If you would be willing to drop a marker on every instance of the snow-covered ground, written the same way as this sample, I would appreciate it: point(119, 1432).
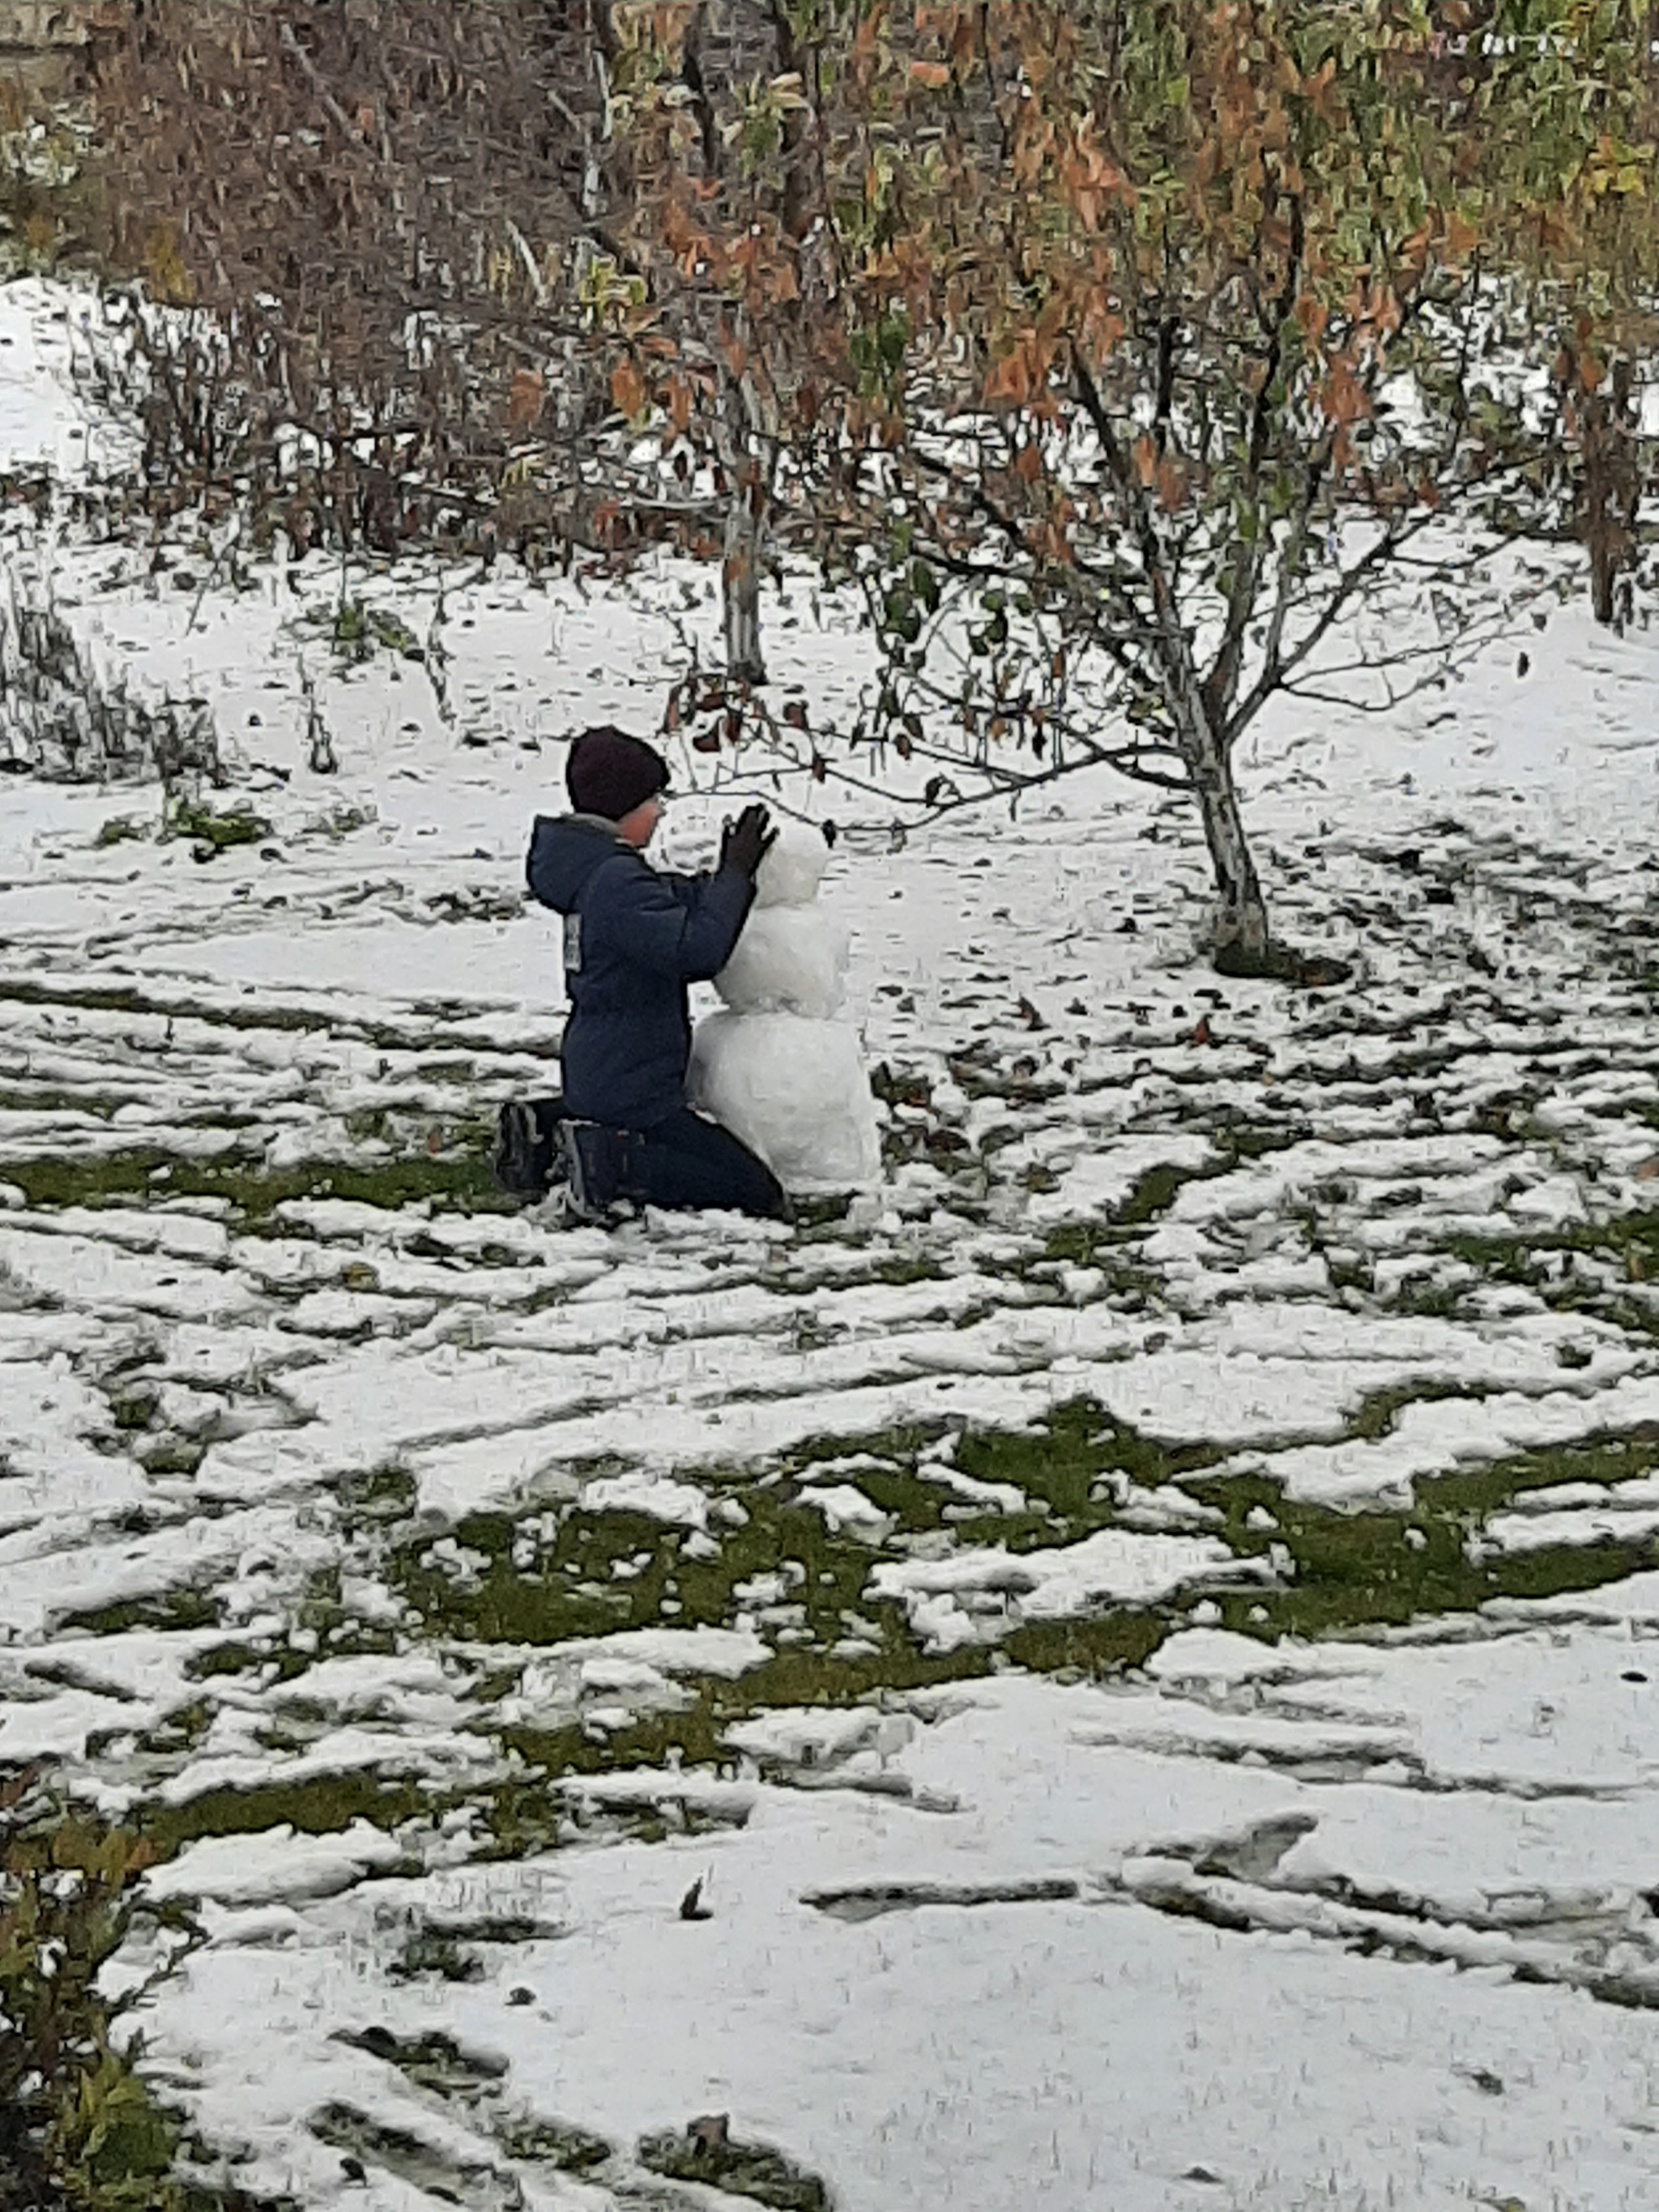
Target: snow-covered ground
point(1144, 1630)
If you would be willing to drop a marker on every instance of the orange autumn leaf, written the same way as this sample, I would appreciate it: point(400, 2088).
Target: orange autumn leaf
point(1342, 396)
point(524, 397)
point(627, 390)
point(1313, 315)
point(1010, 378)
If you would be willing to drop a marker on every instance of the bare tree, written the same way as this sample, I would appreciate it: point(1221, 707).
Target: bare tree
point(372, 225)
point(723, 110)
point(1170, 341)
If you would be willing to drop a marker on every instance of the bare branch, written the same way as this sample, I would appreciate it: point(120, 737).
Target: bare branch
point(309, 69)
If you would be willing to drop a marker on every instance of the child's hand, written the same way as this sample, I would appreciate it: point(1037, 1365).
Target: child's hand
point(748, 840)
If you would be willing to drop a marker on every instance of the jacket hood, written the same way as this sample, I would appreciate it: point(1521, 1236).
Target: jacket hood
point(564, 851)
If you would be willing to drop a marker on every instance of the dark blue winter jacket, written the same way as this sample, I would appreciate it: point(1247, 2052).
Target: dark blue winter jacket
point(634, 938)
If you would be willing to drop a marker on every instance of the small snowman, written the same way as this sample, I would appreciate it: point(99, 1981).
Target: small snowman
point(780, 1064)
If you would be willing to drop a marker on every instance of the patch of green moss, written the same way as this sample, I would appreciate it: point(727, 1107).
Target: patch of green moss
point(899, 1272)
point(318, 1805)
point(1154, 1192)
point(754, 2170)
point(549, 1574)
point(1102, 1244)
point(172, 1456)
point(232, 1657)
point(428, 1035)
point(1375, 1568)
point(1379, 1410)
point(133, 1409)
point(821, 1213)
point(552, 2143)
point(432, 1951)
point(355, 630)
point(212, 831)
point(164, 1610)
point(379, 1494)
point(433, 2060)
point(181, 1730)
point(460, 1181)
point(419, 2164)
point(26, 1097)
point(1522, 1260)
point(1108, 1643)
point(1348, 1569)
point(1062, 1458)
point(899, 1443)
point(1254, 1140)
point(1101, 1241)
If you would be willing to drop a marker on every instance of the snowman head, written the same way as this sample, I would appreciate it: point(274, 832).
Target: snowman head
point(792, 870)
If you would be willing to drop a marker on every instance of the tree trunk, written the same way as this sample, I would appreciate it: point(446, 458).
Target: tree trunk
point(1239, 939)
point(747, 458)
point(1610, 427)
point(1241, 936)
point(740, 579)
point(1599, 521)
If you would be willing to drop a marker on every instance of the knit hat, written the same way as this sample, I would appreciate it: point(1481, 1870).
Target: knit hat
point(611, 773)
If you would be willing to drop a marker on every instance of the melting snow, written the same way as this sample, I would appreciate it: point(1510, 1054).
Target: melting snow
point(285, 1471)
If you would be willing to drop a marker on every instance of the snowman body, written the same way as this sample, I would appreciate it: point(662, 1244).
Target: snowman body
point(780, 1064)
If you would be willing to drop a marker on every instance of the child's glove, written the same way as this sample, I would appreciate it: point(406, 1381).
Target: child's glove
point(748, 841)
